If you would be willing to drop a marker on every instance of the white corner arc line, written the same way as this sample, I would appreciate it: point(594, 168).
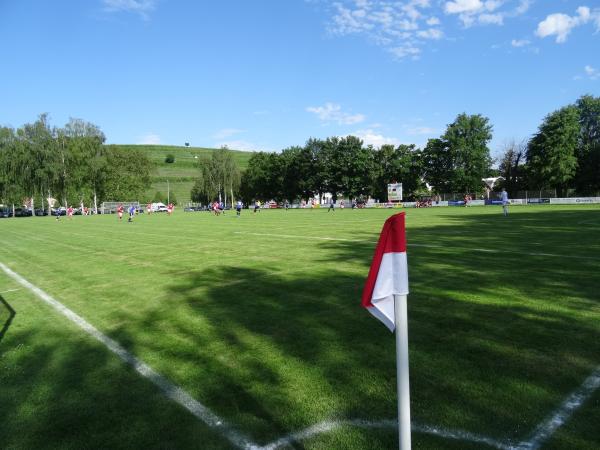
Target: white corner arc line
point(172, 391)
point(547, 428)
point(330, 425)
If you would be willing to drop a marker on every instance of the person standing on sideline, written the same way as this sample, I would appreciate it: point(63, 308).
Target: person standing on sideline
point(331, 205)
point(504, 198)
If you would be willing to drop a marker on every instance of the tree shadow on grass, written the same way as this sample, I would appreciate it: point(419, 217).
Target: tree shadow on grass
point(60, 389)
point(477, 365)
point(9, 312)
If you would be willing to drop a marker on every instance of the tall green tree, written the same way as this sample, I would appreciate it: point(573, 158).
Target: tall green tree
point(467, 138)
point(219, 177)
point(460, 158)
point(400, 164)
point(551, 153)
point(128, 174)
point(587, 178)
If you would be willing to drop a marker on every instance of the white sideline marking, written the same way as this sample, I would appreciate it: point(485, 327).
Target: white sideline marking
point(10, 290)
point(170, 390)
point(541, 433)
point(482, 250)
point(547, 428)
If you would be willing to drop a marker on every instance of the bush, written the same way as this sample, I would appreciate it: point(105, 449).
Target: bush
point(170, 159)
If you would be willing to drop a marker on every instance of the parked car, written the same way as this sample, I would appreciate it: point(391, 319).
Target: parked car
point(5, 213)
point(41, 212)
point(23, 212)
point(62, 211)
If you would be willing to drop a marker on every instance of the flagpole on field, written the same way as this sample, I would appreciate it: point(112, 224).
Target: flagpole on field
point(400, 313)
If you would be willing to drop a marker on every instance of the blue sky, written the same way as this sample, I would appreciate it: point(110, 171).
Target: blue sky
point(268, 74)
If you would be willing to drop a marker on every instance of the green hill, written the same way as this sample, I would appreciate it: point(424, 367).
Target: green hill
point(182, 173)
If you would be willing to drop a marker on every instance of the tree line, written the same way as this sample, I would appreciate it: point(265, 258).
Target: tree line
point(563, 154)
point(70, 164)
point(344, 166)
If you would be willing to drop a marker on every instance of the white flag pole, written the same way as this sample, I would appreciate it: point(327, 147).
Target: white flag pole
point(402, 371)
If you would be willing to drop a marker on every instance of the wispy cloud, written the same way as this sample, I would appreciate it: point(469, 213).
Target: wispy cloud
point(141, 7)
point(591, 72)
point(414, 130)
point(149, 139)
point(520, 42)
point(404, 28)
point(561, 25)
point(488, 12)
point(332, 112)
point(227, 132)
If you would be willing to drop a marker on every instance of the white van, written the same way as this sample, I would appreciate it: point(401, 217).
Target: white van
point(159, 207)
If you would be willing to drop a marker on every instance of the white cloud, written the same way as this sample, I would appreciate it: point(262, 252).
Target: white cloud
point(490, 12)
point(240, 145)
point(392, 25)
point(560, 24)
point(404, 51)
point(370, 137)
point(463, 6)
point(141, 7)
point(592, 73)
point(496, 19)
point(149, 139)
point(432, 21)
point(520, 42)
point(227, 132)
point(332, 112)
point(523, 7)
point(431, 33)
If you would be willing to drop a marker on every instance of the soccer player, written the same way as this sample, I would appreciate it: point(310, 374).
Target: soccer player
point(131, 213)
point(331, 205)
point(149, 208)
point(256, 206)
point(120, 212)
point(70, 212)
point(504, 198)
point(170, 208)
point(238, 208)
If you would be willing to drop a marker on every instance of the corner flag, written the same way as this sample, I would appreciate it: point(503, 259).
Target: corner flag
point(388, 275)
point(384, 296)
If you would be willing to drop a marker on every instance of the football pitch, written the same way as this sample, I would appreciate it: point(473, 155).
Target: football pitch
point(255, 325)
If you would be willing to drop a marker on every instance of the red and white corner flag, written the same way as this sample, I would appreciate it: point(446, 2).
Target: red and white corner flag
point(389, 272)
point(384, 296)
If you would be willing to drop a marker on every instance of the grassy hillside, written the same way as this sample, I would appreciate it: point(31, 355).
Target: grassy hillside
point(181, 173)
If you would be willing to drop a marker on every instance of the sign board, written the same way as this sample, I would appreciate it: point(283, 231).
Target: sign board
point(395, 192)
point(575, 200)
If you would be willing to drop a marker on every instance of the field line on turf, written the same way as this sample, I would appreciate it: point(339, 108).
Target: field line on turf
point(330, 425)
point(369, 241)
point(10, 290)
point(557, 418)
point(172, 391)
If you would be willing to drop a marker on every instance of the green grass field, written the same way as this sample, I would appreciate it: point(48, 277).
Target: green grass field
point(259, 319)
